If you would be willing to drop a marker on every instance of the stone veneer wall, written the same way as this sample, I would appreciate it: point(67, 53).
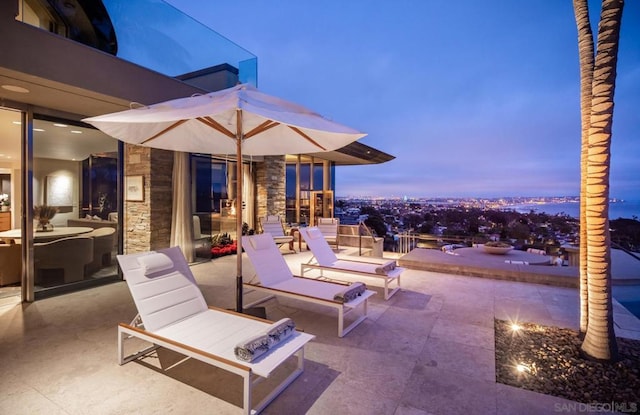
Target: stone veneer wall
point(271, 191)
point(148, 223)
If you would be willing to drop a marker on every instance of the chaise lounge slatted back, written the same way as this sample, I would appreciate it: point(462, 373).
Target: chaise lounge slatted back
point(273, 225)
point(329, 228)
point(169, 296)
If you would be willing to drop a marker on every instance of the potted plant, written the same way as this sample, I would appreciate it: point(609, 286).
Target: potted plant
point(43, 214)
point(4, 202)
point(222, 244)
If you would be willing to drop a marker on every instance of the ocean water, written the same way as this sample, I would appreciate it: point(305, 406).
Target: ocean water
point(623, 209)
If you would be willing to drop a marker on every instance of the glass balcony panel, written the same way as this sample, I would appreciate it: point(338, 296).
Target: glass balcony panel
point(149, 33)
point(154, 34)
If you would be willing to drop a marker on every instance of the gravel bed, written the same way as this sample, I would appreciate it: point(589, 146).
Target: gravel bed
point(555, 366)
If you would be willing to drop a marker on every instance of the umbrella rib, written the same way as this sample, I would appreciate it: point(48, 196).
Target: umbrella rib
point(166, 130)
point(261, 128)
point(311, 140)
point(210, 122)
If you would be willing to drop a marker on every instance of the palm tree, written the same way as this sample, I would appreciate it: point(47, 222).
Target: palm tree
point(586, 52)
point(599, 341)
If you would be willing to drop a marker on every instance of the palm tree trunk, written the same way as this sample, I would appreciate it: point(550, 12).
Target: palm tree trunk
point(585, 50)
point(600, 342)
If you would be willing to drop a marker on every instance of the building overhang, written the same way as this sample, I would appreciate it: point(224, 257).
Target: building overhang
point(63, 75)
point(354, 154)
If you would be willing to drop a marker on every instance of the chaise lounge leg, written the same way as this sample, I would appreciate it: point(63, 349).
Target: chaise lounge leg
point(247, 394)
point(122, 336)
point(343, 331)
point(283, 385)
point(388, 294)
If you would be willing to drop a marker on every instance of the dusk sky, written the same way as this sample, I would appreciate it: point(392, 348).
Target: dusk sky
point(473, 98)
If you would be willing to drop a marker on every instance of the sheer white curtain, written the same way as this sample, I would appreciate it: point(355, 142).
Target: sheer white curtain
point(182, 217)
point(248, 195)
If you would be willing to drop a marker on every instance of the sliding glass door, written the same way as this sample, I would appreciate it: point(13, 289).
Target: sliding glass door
point(75, 195)
point(10, 196)
point(70, 171)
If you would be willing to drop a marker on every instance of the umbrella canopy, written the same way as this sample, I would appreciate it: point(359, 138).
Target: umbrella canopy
point(212, 123)
point(239, 120)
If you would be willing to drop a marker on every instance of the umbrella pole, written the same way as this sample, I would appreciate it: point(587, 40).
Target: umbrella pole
point(254, 311)
point(239, 138)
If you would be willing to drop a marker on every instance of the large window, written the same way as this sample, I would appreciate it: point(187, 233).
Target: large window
point(99, 186)
point(211, 183)
point(305, 176)
point(85, 22)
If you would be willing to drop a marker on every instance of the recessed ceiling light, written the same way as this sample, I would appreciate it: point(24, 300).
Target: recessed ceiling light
point(17, 122)
point(75, 132)
point(60, 125)
point(38, 129)
point(15, 88)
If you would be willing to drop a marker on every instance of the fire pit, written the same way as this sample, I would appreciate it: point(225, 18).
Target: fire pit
point(497, 248)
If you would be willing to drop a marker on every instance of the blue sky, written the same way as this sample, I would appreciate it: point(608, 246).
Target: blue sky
point(473, 98)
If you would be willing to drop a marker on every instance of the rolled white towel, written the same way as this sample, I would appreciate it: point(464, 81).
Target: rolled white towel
point(253, 347)
point(351, 292)
point(281, 330)
point(386, 268)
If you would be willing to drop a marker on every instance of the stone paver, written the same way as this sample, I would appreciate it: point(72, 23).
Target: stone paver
point(428, 350)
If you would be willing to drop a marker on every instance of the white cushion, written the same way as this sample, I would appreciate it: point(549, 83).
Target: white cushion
point(259, 243)
point(315, 233)
point(155, 263)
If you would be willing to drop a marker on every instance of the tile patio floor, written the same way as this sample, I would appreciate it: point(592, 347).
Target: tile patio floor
point(428, 350)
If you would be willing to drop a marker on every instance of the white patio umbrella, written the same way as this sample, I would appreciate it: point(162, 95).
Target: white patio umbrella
point(240, 120)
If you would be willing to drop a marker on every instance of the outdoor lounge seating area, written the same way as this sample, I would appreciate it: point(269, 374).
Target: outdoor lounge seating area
point(434, 339)
point(139, 110)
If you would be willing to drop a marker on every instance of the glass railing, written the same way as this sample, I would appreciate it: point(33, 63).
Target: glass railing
point(156, 35)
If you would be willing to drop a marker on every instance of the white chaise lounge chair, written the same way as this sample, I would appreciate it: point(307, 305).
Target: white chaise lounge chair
point(273, 225)
point(324, 259)
point(173, 314)
point(329, 228)
point(276, 279)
